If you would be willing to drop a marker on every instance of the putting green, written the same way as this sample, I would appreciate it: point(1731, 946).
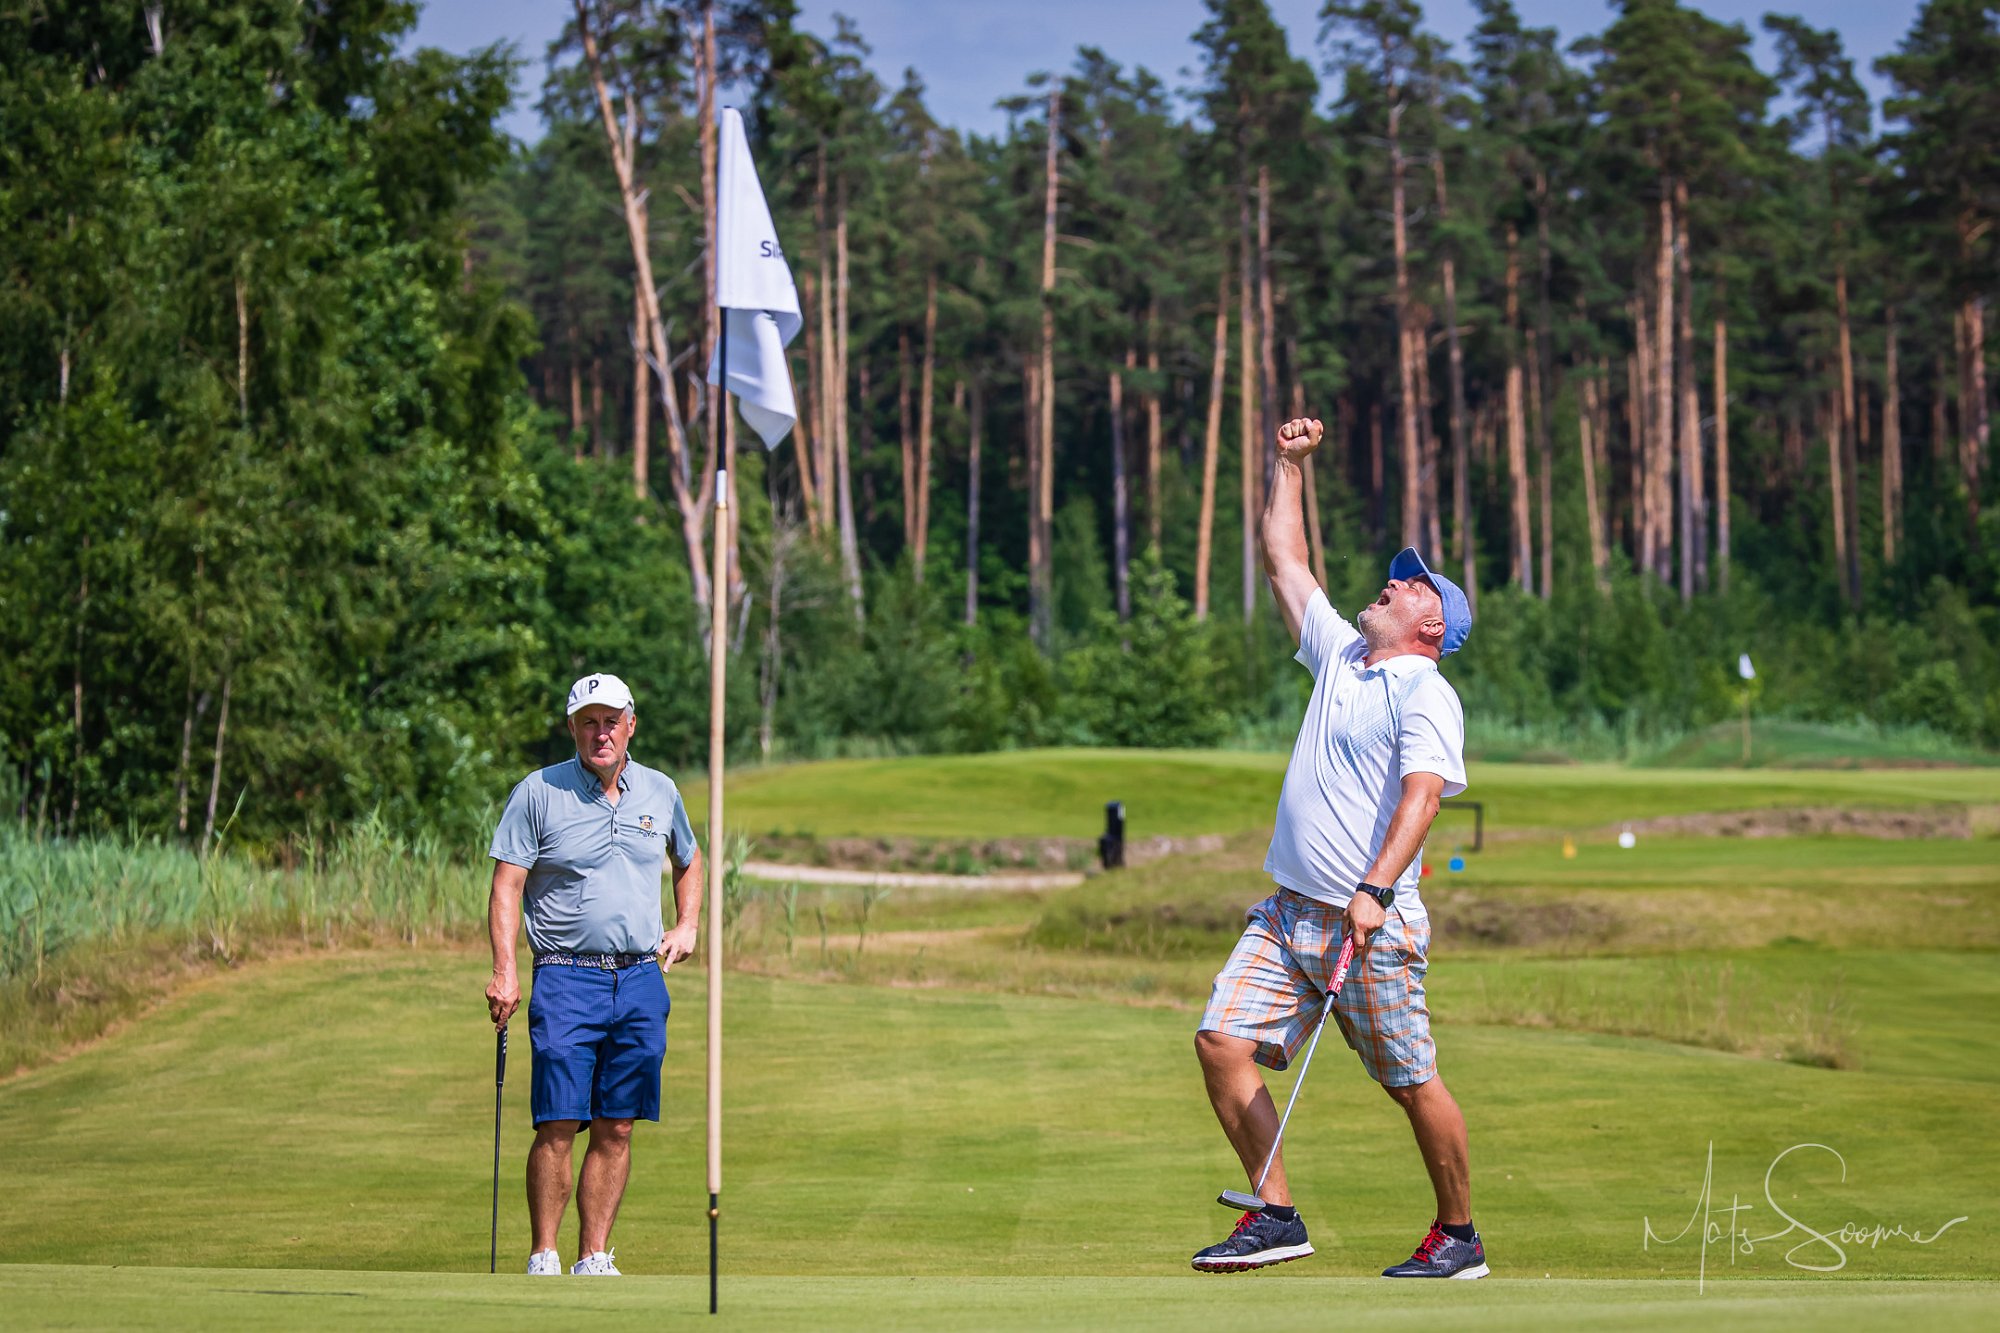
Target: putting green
point(233, 1299)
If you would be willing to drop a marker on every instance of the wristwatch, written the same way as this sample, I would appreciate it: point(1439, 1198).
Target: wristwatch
point(1379, 894)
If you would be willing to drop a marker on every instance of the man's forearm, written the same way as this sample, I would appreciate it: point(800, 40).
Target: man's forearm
point(687, 894)
point(1408, 828)
point(503, 925)
point(1284, 524)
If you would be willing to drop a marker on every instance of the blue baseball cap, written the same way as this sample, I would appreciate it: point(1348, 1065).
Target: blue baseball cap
point(1457, 611)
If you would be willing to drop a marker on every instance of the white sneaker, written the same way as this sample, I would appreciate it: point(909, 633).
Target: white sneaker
point(596, 1265)
point(544, 1263)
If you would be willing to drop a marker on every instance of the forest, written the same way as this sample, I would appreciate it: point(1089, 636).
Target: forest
point(339, 432)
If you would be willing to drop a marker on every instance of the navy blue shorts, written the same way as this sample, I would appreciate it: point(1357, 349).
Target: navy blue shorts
point(598, 1039)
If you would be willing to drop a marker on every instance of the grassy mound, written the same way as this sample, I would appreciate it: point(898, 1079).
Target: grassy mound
point(1062, 793)
point(1813, 745)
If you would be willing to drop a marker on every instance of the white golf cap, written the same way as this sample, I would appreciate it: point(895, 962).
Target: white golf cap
point(599, 689)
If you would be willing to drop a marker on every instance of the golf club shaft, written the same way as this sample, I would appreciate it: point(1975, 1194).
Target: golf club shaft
point(1340, 967)
point(499, 1083)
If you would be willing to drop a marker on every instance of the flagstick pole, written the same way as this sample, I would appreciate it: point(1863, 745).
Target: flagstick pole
point(718, 602)
point(717, 692)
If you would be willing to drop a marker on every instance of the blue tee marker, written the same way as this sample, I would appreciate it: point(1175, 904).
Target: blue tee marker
point(1456, 864)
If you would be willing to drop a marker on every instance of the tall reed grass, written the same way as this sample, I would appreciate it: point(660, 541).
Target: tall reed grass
point(101, 892)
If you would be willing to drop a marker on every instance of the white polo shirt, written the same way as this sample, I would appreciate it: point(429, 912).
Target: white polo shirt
point(1364, 728)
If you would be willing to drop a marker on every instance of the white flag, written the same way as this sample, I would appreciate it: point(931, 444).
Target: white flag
point(753, 285)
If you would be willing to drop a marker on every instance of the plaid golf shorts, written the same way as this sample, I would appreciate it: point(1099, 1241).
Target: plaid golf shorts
point(1269, 990)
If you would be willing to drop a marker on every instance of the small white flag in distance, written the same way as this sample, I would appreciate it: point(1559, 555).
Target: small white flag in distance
point(753, 285)
point(1744, 669)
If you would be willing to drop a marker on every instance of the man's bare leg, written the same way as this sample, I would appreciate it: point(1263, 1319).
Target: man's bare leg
point(607, 1164)
point(548, 1181)
point(1440, 1130)
point(1243, 1104)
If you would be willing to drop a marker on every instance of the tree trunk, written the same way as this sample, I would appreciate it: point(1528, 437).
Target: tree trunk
point(1602, 449)
point(1463, 543)
point(1246, 399)
point(195, 708)
point(925, 407)
point(1694, 518)
point(599, 447)
point(1544, 460)
point(906, 443)
point(76, 691)
point(1309, 484)
point(850, 549)
point(1412, 531)
point(1521, 563)
point(242, 356)
point(1663, 390)
point(1940, 424)
point(1892, 443)
point(811, 411)
point(974, 426)
point(1044, 499)
point(1973, 421)
point(832, 397)
point(1543, 389)
point(1211, 445)
point(1121, 517)
point(1153, 433)
point(642, 413)
point(1635, 441)
point(782, 541)
point(1430, 465)
point(1379, 507)
point(1031, 427)
point(1849, 461)
point(1838, 476)
point(1721, 444)
point(576, 436)
point(1267, 330)
point(1586, 412)
point(215, 773)
point(691, 504)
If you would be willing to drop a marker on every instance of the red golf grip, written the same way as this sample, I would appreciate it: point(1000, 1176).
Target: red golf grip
point(1340, 967)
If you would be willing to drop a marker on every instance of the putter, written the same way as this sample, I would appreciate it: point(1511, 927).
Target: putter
point(499, 1082)
point(1254, 1203)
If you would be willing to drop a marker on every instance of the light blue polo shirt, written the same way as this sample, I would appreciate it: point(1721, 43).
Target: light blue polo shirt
point(594, 868)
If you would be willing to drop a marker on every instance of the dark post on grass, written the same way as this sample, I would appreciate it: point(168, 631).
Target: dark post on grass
point(1111, 847)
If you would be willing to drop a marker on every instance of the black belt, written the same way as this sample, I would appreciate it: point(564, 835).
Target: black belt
point(608, 962)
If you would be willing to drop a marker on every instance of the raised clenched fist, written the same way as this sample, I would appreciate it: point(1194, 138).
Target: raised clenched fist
point(1299, 437)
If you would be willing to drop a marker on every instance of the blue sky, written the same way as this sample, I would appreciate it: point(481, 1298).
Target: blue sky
point(972, 52)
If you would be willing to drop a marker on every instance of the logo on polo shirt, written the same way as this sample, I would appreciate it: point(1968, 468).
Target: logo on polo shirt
point(645, 823)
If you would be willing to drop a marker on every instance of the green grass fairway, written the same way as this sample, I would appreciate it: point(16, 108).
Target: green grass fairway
point(1050, 793)
point(335, 1113)
point(39, 1296)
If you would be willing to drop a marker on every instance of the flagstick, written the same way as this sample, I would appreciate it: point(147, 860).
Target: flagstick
point(718, 630)
point(718, 621)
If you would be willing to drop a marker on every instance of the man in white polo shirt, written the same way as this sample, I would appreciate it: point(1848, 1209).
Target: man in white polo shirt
point(1383, 738)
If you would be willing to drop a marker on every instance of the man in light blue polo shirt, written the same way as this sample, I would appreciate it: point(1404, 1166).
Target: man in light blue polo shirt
point(580, 851)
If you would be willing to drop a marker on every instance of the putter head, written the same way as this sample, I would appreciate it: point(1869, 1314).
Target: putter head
point(1240, 1201)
